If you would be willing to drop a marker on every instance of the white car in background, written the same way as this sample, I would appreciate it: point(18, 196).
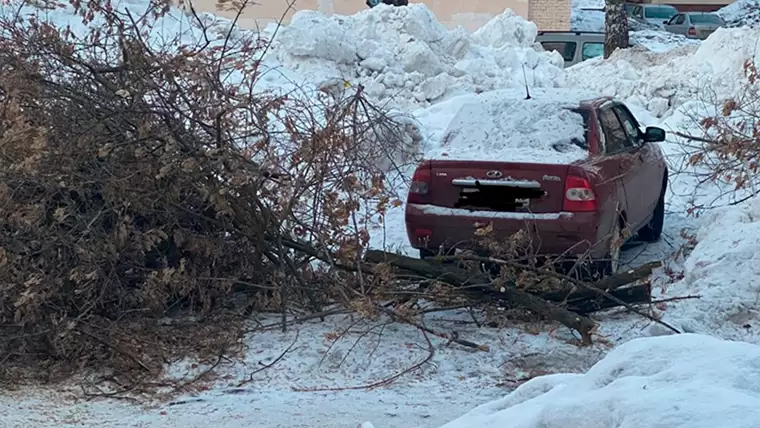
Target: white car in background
point(694, 25)
point(653, 14)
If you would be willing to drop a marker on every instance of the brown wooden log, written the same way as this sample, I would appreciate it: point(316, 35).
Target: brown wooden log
point(608, 284)
point(584, 300)
point(636, 294)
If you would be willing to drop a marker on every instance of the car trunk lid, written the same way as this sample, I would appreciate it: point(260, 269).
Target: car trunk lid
point(498, 186)
point(704, 31)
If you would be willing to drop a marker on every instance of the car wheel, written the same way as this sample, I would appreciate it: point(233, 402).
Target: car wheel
point(615, 248)
point(652, 232)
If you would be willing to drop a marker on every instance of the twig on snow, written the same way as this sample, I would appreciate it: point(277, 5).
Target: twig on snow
point(269, 365)
point(384, 382)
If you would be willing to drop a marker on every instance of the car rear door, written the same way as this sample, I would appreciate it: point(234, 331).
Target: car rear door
point(646, 176)
point(618, 152)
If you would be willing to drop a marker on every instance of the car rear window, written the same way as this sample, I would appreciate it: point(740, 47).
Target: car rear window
point(566, 49)
point(706, 18)
point(660, 12)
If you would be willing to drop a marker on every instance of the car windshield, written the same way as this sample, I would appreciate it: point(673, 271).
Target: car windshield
point(660, 12)
point(706, 18)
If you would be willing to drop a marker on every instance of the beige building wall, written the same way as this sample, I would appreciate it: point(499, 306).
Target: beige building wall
point(471, 14)
point(551, 15)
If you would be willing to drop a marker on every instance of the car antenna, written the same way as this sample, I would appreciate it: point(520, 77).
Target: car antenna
point(525, 80)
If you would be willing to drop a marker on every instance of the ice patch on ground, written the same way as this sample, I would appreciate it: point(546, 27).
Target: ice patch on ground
point(503, 125)
point(685, 381)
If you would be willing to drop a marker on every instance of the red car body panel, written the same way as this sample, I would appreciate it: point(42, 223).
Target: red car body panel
point(626, 187)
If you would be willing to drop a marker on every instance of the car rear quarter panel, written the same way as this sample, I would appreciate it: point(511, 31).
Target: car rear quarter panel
point(604, 172)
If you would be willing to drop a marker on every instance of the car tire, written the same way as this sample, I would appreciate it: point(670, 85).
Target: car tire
point(652, 232)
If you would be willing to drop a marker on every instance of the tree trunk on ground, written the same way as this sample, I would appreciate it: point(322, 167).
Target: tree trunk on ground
point(615, 27)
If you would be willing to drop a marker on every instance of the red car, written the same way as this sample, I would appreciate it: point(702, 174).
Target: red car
point(582, 207)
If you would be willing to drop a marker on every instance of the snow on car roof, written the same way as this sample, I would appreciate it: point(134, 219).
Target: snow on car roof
point(504, 126)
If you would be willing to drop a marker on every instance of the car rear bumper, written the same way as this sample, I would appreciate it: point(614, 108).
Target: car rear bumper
point(434, 227)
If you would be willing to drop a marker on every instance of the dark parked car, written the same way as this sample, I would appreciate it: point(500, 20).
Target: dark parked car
point(585, 207)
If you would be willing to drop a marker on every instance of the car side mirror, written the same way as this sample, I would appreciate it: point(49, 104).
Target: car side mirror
point(665, 22)
point(654, 134)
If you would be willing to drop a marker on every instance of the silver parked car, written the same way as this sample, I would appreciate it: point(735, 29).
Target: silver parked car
point(653, 14)
point(694, 25)
point(574, 46)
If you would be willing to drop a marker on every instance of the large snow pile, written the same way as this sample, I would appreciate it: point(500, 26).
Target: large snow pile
point(662, 82)
point(685, 381)
point(504, 125)
point(587, 15)
point(724, 269)
point(742, 13)
point(405, 56)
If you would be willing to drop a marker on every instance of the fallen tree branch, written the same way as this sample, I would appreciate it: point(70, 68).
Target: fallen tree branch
point(384, 382)
point(269, 365)
point(459, 277)
point(675, 299)
point(589, 287)
point(450, 337)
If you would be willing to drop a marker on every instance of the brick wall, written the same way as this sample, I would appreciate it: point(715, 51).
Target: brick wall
point(471, 14)
point(550, 15)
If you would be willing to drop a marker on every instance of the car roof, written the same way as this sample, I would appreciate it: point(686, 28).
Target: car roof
point(576, 35)
point(571, 33)
point(594, 103)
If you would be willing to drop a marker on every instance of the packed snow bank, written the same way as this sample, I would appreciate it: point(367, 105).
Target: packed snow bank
point(503, 125)
point(741, 13)
point(684, 381)
point(587, 15)
point(403, 55)
point(662, 82)
point(723, 268)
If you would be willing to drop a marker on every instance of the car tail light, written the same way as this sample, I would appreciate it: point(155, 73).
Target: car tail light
point(579, 195)
point(692, 31)
point(419, 190)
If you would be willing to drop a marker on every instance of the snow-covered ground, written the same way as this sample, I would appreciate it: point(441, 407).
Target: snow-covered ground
point(689, 381)
point(411, 62)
